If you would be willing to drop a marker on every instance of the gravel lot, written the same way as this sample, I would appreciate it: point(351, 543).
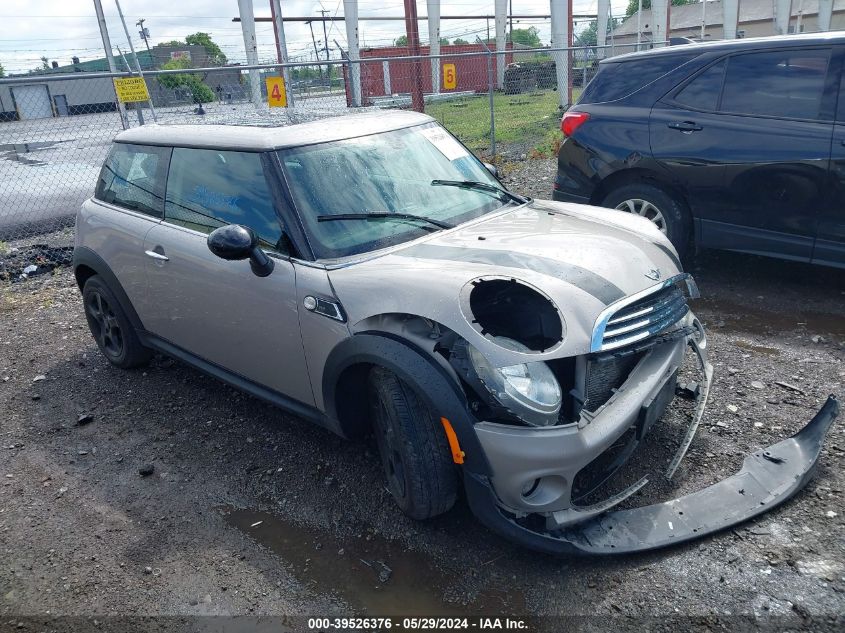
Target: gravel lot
point(250, 511)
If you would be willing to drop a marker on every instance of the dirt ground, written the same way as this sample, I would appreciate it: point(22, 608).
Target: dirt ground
point(250, 511)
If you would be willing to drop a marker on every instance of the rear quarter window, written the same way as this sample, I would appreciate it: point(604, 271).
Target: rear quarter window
point(133, 177)
point(615, 80)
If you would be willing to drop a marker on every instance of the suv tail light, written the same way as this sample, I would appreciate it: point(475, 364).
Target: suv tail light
point(571, 121)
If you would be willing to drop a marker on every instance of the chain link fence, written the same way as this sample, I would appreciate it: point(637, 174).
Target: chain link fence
point(56, 129)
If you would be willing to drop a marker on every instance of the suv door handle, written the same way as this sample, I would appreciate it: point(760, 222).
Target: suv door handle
point(686, 126)
point(158, 256)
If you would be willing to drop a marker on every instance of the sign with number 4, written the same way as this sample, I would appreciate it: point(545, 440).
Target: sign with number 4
point(276, 95)
point(450, 77)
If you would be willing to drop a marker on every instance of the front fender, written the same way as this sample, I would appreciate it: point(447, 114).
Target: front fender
point(414, 366)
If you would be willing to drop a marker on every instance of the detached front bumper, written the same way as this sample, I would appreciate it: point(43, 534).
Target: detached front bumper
point(535, 469)
point(768, 477)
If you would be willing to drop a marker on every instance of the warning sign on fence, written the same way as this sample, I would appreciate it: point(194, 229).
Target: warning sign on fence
point(276, 95)
point(450, 77)
point(131, 89)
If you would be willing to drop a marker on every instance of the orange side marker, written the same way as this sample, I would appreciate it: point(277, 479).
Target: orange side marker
point(457, 453)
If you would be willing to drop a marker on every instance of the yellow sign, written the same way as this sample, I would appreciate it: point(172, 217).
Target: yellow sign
point(276, 95)
point(450, 77)
point(131, 89)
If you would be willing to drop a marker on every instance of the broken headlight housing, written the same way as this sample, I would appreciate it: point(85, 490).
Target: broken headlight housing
point(529, 391)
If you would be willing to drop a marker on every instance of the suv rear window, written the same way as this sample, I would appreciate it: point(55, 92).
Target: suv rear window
point(615, 80)
point(133, 177)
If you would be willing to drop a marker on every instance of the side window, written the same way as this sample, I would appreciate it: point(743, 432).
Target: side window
point(208, 188)
point(703, 92)
point(782, 83)
point(133, 177)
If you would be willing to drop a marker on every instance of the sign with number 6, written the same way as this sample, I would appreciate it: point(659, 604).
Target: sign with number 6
point(450, 77)
point(276, 95)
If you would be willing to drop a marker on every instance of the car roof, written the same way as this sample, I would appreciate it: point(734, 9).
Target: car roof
point(755, 43)
point(264, 138)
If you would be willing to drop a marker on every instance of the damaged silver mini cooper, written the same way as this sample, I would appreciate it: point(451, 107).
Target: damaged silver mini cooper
point(370, 274)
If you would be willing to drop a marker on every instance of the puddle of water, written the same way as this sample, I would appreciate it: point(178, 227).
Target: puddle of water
point(760, 349)
point(734, 317)
point(415, 585)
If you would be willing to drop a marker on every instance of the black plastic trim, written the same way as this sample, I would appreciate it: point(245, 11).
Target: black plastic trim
point(435, 386)
point(239, 382)
point(84, 256)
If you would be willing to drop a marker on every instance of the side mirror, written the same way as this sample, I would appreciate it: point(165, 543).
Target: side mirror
point(492, 169)
point(235, 242)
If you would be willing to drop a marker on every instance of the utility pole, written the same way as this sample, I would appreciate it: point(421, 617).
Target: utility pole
point(104, 33)
point(316, 52)
point(324, 12)
point(510, 33)
point(145, 34)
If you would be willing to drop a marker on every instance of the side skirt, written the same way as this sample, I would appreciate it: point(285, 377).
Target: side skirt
point(312, 414)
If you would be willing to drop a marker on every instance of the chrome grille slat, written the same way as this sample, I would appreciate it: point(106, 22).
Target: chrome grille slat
point(641, 319)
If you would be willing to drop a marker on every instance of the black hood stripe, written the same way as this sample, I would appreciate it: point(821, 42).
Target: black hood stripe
point(605, 291)
point(670, 255)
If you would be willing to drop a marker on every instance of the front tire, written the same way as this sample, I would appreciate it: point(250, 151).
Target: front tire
point(663, 210)
point(414, 451)
point(110, 326)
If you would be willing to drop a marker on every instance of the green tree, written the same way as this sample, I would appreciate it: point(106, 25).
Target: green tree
point(633, 5)
point(215, 55)
point(460, 41)
point(527, 37)
point(45, 64)
point(402, 40)
point(589, 36)
point(444, 41)
point(2, 71)
point(200, 92)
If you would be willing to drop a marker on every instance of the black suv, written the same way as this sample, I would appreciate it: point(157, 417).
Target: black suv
point(737, 145)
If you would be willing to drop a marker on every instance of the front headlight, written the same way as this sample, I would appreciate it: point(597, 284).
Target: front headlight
point(528, 390)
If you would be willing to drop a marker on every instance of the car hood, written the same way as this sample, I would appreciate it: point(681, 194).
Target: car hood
point(583, 258)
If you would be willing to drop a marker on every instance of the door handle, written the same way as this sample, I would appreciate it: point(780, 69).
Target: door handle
point(686, 126)
point(159, 256)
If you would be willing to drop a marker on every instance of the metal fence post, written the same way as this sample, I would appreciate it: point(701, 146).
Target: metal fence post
point(490, 86)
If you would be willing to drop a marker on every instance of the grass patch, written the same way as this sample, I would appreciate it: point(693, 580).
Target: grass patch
point(530, 119)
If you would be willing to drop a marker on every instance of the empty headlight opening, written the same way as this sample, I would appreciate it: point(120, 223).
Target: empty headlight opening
point(507, 308)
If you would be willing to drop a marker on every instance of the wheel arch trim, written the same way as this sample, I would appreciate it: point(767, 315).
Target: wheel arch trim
point(411, 364)
point(84, 257)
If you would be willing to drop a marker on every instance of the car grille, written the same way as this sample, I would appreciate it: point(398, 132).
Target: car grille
point(644, 318)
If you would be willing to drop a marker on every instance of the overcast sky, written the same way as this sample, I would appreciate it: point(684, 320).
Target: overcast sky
point(60, 29)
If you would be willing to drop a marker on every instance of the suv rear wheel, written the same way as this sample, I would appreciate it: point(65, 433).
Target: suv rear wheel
point(414, 450)
point(110, 326)
point(666, 212)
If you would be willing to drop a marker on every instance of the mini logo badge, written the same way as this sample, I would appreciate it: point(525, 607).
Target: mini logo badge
point(654, 274)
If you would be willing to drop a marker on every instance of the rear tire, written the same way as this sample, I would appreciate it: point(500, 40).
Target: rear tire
point(414, 451)
point(666, 212)
point(110, 326)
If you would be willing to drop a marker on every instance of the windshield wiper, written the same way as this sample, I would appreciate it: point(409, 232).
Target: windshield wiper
point(475, 185)
point(383, 215)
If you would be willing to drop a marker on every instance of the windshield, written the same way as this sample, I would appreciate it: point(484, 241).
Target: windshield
point(386, 173)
